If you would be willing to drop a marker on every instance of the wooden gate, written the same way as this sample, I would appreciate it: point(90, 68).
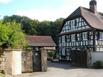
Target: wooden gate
point(79, 58)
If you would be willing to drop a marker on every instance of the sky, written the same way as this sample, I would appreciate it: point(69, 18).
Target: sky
point(43, 9)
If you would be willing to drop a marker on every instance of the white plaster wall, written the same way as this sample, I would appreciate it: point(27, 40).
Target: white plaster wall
point(16, 62)
point(50, 48)
point(96, 56)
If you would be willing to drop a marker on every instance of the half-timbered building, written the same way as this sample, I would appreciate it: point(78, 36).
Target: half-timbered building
point(80, 31)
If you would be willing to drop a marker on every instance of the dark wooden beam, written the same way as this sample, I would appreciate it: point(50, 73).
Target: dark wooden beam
point(94, 45)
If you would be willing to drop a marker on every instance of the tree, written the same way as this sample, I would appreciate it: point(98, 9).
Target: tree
point(28, 25)
point(11, 35)
point(43, 28)
point(56, 29)
point(34, 27)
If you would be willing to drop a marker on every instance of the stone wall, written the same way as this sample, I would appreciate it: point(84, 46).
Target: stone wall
point(27, 61)
point(15, 61)
point(1, 60)
point(43, 59)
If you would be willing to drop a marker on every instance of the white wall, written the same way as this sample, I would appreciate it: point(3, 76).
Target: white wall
point(95, 56)
point(16, 62)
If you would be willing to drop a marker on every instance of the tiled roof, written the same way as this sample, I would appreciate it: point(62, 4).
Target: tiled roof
point(95, 20)
point(40, 41)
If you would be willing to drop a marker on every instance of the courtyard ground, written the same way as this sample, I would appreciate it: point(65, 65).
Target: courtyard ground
point(65, 70)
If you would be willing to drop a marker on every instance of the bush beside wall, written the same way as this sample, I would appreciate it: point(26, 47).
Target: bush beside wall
point(98, 65)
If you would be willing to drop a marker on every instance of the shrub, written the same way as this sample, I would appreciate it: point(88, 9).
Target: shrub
point(98, 65)
point(51, 54)
point(11, 35)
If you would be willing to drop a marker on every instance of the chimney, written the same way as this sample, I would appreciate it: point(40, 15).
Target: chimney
point(93, 6)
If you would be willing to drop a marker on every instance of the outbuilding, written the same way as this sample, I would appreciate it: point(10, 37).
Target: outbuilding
point(37, 59)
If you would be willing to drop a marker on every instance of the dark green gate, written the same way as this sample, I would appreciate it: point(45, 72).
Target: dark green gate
point(36, 59)
point(79, 58)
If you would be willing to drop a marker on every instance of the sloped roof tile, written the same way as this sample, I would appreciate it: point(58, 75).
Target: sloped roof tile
point(40, 41)
point(95, 20)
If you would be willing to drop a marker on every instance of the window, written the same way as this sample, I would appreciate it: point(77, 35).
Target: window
point(70, 43)
point(79, 24)
point(63, 38)
point(78, 37)
point(101, 35)
point(99, 49)
point(73, 37)
point(68, 38)
point(84, 34)
point(67, 44)
point(83, 24)
point(75, 22)
point(90, 35)
point(77, 19)
point(81, 43)
point(97, 35)
point(63, 51)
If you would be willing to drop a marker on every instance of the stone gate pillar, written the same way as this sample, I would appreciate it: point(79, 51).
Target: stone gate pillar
point(27, 62)
point(13, 62)
point(43, 59)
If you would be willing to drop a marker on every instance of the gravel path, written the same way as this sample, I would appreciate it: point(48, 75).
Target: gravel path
point(65, 70)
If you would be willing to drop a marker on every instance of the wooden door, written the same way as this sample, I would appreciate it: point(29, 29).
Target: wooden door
point(79, 57)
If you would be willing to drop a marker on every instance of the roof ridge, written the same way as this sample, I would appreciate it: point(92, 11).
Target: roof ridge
point(39, 35)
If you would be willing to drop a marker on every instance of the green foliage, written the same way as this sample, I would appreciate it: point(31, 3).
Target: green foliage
point(34, 27)
point(11, 35)
point(98, 65)
point(43, 28)
point(51, 54)
point(28, 25)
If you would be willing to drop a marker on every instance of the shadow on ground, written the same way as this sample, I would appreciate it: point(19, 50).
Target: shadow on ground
point(61, 65)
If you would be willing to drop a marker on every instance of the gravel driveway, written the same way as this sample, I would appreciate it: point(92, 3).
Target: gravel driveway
point(65, 70)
